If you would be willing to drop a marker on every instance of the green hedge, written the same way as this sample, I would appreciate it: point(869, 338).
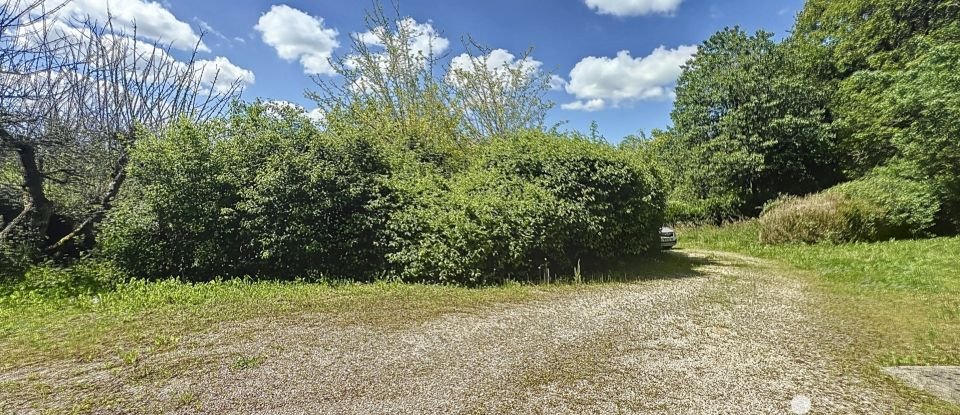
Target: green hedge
point(525, 201)
point(269, 195)
point(613, 205)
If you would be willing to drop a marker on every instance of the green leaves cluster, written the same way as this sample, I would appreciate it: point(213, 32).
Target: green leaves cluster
point(266, 193)
point(859, 85)
point(527, 199)
point(746, 128)
point(260, 193)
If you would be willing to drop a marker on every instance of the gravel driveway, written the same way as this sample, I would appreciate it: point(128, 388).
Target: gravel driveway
point(735, 339)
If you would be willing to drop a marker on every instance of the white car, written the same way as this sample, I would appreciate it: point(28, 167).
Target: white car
point(668, 238)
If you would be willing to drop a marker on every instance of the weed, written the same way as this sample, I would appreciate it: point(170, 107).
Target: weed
point(249, 362)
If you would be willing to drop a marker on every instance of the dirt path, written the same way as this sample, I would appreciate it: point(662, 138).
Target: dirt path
point(735, 340)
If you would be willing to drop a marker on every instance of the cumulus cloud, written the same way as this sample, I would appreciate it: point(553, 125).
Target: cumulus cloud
point(557, 83)
point(424, 40)
point(633, 7)
point(600, 82)
point(498, 62)
point(151, 20)
point(298, 35)
point(280, 107)
point(592, 105)
point(220, 74)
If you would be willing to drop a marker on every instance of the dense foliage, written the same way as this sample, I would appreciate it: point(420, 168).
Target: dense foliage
point(747, 127)
point(881, 206)
point(267, 193)
point(859, 85)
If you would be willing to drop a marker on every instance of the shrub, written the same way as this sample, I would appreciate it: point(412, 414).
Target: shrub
point(611, 204)
point(317, 208)
point(263, 194)
point(524, 199)
point(476, 227)
point(169, 221)
point(878, 207)
point(905, 208)
point(267, 194)
point(822, 217)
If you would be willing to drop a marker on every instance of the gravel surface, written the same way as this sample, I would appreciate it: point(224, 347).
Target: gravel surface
point(940, 381)
point(736, 339)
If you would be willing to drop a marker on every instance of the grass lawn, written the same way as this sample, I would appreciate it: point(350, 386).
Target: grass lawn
point(903, 297)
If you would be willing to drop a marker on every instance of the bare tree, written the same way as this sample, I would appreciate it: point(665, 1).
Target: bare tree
point(475, 97)
point(496, 93)
point(74, 88)
point(391, 72)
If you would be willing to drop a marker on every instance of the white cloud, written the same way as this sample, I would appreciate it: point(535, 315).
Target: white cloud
point(592, 105)
point(280, 107)
point(297, 35)
point(624, 78)
point(424, 40)
point(633, 7)
point(499, 62)
point(151, 19)
point(557, 83)
point(220, 74)
point(317, 115)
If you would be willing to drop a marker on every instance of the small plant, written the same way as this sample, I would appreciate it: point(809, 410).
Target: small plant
point(577, 275)
point(164, 342)
point(249, 362)
point(129, 357)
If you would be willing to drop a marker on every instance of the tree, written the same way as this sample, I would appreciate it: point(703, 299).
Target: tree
point(750, 125)
point(872, 34)
point(497, 94)
point(73, 95)
point(855, 49)
point(392, 81)
point(922, 105)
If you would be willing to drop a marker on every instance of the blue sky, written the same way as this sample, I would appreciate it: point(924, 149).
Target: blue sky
point(625, 95)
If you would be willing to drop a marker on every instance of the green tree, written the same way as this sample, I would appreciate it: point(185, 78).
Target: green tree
point(856, 50)
point(750, 126)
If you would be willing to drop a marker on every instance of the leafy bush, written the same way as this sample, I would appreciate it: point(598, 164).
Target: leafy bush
point(822, 217)
point(611, 204)
point(168, 222)
point(317, 207)
point(478, 226)
point(878, 207)
point(905, 208)
point(263, 194)
point(524, 199)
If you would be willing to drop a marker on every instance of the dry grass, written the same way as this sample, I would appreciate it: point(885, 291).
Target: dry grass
point(823, 217)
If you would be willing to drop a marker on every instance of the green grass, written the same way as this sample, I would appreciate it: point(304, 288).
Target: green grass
point(903, 297)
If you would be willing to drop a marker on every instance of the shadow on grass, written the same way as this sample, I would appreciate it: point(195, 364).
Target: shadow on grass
point(663, 265)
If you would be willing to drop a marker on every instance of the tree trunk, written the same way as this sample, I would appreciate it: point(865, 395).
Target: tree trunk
point(36, 213)
point(88, 226)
